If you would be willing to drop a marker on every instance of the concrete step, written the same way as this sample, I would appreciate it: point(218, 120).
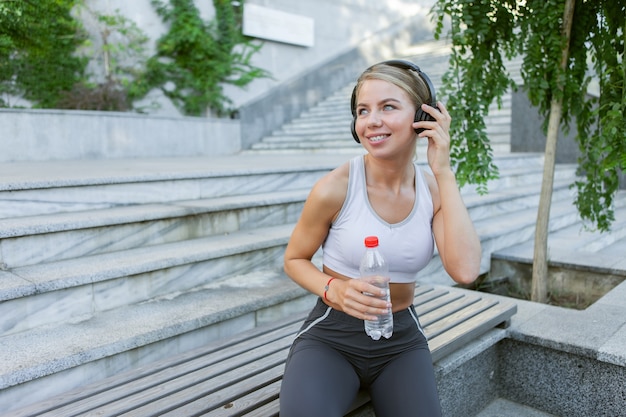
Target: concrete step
point(34, 188)
point(307, 143)
point(508, 200)
point(578, 248)
point(499, 228)
point(60, 236)
point(320, 139)
point(321, 121)
point(317, 151)
point(578, 238)
point(79, 288)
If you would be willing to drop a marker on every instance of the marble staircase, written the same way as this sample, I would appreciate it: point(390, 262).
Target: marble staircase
point(325, 128)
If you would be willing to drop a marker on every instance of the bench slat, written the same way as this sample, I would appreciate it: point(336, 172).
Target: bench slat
point(260, 402)
point(441, 306)
point(456, 316)
point(430, 319)
point(213, 403)
point(270, 409)
point(470, 329)
point(428, 297)
point(263, 402)
point(202, 382)
point(214, 388)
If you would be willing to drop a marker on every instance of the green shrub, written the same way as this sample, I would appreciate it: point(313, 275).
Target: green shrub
point(37, 44)
point(194, 59)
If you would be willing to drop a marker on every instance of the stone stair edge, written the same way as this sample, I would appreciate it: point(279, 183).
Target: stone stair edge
point(59, 174)
point(589, 235)
point(87, 270)
point(321, 140)
point(492, 227)
point(473, 199)
point(16, 176)
point(116, 215)
point(572, 258)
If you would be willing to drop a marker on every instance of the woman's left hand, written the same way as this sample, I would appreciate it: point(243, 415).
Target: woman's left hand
point(438, 134)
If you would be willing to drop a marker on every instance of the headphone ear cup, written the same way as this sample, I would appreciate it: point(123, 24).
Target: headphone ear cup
point(353, 110)
point(353, 130)
point(422, 116)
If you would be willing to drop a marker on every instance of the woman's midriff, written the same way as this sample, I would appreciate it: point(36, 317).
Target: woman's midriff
point(402, 294)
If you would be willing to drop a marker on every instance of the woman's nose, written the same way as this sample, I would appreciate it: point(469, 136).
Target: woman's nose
point(374, 119)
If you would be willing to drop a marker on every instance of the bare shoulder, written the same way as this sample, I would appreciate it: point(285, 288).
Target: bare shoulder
point(320, 209)
point(330, 190)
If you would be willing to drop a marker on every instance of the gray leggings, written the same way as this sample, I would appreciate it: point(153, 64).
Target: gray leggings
point(332, 359)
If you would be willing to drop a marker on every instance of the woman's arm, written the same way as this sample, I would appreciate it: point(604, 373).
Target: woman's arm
point(456, 238)
point(321, 207)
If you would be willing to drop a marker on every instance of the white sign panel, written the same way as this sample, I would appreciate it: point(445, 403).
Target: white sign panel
point(262, 22)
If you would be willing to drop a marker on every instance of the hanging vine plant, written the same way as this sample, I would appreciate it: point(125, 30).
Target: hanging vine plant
point(194, 59)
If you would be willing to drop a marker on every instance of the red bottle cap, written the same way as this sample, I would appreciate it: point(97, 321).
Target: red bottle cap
point(371, 241)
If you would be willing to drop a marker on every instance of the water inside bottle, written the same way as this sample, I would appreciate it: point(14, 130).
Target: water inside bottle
point(383, 325)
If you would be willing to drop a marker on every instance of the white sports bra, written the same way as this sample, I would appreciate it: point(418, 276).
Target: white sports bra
point(407, 246)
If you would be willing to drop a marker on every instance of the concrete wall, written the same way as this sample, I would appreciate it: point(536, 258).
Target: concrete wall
point(557, 360)
point(527, 135)
point(558, 382)
point(41, 135)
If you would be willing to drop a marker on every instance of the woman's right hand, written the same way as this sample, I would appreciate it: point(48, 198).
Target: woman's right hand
point(351, 297)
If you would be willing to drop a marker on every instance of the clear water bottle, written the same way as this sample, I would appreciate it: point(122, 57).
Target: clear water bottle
point(374, 270)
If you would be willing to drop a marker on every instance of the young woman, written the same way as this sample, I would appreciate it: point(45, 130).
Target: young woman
point(381, 193)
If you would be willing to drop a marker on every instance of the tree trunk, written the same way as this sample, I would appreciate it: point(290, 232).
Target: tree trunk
point(539, 288)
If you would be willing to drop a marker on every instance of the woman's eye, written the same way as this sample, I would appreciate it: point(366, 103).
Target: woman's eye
point(361, 112)
point(389, 107)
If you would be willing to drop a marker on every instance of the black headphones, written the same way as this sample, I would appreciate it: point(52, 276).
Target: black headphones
point(420, 115)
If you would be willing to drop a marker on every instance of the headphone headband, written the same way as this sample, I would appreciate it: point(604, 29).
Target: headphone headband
point(420, 115)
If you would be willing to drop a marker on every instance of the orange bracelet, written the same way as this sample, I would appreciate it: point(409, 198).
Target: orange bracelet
point(327, 287)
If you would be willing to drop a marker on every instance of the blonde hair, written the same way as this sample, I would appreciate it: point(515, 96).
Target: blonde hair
point(405, 78)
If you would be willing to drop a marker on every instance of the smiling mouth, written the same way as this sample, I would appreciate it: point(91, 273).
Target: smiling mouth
point(377, 138)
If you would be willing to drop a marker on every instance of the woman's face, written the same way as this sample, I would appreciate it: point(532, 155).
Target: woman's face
point(384, 116)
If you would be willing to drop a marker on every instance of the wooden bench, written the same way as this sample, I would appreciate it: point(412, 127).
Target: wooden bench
point(241, 376)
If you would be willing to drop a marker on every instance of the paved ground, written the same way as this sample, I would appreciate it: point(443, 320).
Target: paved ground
point(505, 408)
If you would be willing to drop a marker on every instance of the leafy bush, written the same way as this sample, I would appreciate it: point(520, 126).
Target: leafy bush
point(195, 58)
point(37, 44)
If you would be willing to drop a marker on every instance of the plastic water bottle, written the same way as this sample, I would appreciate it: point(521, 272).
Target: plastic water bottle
point(374, 270)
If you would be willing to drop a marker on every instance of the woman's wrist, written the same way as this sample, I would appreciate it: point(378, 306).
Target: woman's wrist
point(445, 175)
point(327, 287)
